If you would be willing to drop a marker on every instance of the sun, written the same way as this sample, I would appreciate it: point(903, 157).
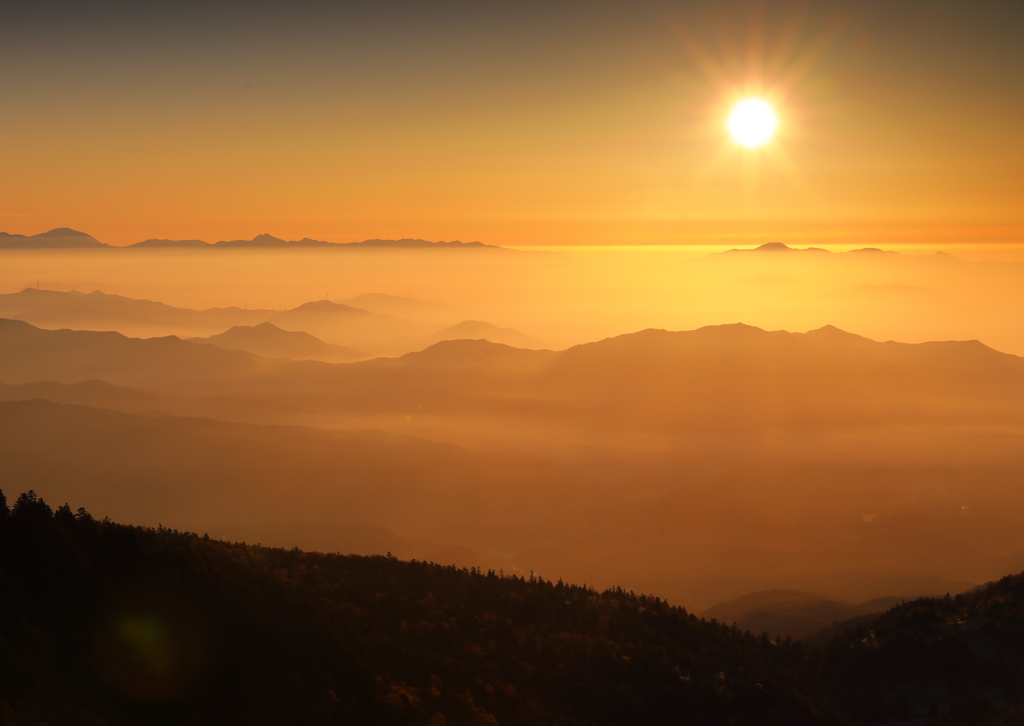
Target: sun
point(752, 122)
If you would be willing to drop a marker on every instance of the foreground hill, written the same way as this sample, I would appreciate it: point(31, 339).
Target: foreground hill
point(109, 624)
point(950, 660)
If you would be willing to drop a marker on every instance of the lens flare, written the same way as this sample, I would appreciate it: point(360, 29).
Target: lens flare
point(752, 122)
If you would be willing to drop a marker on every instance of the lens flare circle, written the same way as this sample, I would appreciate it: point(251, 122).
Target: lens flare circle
point(752, 122)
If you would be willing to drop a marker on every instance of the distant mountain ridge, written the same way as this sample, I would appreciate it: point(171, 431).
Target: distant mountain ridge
point(384, 330)
point(706, 405)
point(791, 612)
point(64, 237)
point(782, 248)
point(269, 341)
point(466, 330)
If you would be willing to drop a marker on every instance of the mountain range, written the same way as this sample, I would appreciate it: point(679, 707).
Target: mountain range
point(335, 323)
point(269, 341)
point(68, 238)
point(707, 463)
point(54, 239)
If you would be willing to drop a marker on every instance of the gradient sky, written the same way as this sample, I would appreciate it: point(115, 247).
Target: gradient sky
point(512, 123)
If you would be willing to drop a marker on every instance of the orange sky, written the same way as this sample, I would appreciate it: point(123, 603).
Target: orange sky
point(585, 124)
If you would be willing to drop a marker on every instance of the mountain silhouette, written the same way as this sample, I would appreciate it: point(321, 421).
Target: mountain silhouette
point(54, 239)
point(290, 482)
point(462, 354)
point(267, 240)
point(774, 247)
point(269, 341)
point(466, 330)
point(93, 392)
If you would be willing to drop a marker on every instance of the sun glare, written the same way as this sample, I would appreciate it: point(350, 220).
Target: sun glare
point(752, 122)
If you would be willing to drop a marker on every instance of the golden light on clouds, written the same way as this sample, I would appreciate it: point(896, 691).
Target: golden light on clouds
point(752, 122)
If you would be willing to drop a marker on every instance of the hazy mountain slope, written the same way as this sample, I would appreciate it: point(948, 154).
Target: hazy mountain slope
point(214, 476)
point(712, 381)
point(790, 613)
point(269, 341)
point(88, 393)
point(70, 356)
point(736, 376)
point(100, 311)
point(713, 538)
point(735, 524)
point(404, 307)
point(345, 325)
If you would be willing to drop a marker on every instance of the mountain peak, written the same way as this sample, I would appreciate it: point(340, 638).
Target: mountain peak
point(832, 333)
point(55, 238)
point(777, 247)
point(328, 306)
point(63, 232)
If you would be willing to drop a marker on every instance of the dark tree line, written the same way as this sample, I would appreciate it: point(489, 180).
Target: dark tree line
point(103, 623)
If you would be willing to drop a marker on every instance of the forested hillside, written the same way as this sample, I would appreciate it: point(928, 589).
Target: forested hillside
point(111, 624)
point(105, 623)
point(952, 660)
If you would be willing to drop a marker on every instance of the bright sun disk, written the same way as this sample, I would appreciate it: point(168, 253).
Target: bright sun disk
point(752, 122)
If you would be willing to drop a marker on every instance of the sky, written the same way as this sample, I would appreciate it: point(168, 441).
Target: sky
point(513, 123)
